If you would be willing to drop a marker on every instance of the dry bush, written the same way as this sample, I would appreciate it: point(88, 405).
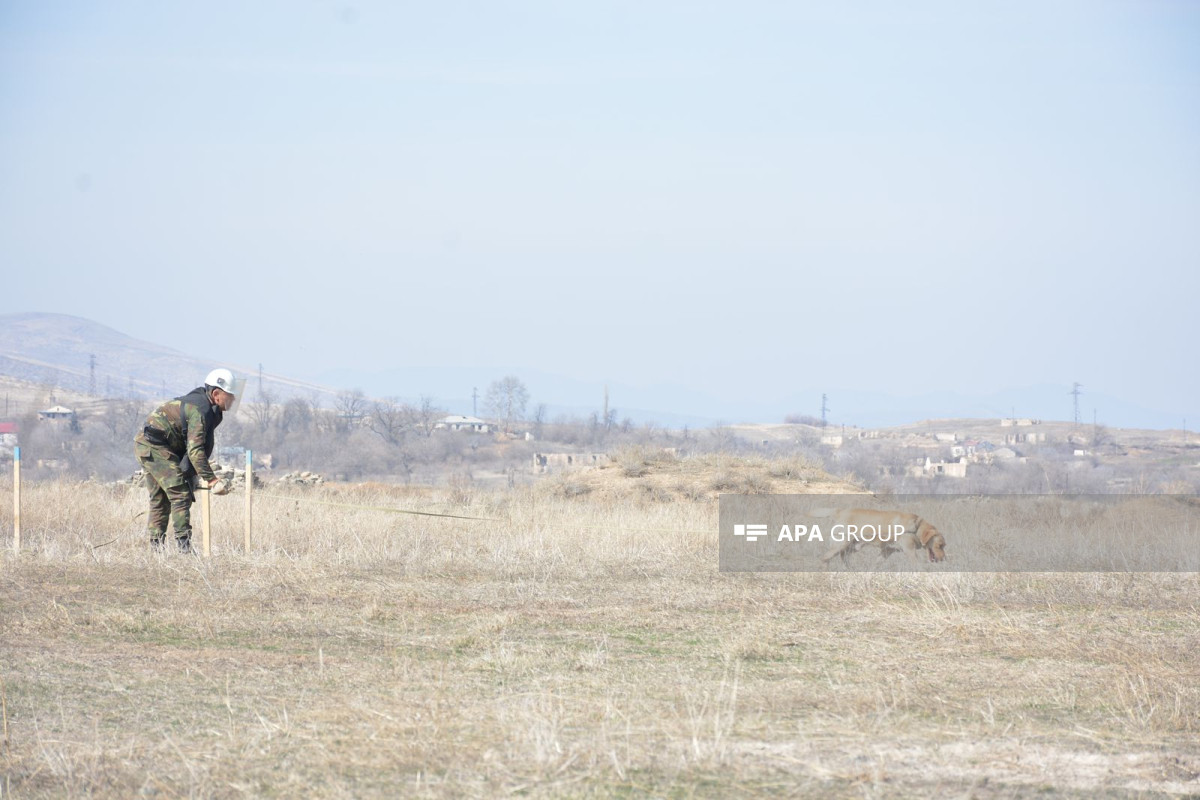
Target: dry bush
point(638, 460)
point(648, 475)
point(794, 468)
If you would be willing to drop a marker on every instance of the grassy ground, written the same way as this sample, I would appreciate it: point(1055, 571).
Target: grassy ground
point(585, 645)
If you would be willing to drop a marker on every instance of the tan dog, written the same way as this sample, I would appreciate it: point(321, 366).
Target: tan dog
point(889, 530)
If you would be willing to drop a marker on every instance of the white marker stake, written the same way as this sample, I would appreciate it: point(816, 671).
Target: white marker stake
point(206, 523)
point(16, 499)
point(249, 491)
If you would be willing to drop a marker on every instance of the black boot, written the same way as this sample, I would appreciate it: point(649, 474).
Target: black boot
point(184, 542)
point(158, 541)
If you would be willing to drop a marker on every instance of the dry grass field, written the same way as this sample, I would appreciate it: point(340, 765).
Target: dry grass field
point(580, 643)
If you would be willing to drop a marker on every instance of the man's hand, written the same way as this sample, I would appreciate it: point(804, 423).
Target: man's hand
point(219, 487)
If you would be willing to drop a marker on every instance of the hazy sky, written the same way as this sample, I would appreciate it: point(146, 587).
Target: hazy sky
point(791, 196)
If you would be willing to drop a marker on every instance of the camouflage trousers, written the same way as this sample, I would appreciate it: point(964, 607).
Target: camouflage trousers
point(171, 494)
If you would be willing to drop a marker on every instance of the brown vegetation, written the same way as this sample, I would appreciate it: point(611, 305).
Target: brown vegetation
point(655, 474)
point(577, 646)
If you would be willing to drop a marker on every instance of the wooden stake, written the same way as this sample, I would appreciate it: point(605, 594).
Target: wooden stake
point(16, 499)
point(249, 492)
point(206, 523)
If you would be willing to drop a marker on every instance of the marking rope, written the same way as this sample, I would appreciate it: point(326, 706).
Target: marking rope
point(373, 508)
point(392, 510)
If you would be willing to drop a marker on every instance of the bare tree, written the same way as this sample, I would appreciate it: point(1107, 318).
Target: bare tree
point(539, 420)
point(122, 419)
point(388, 419)
point(264, 410)
point(351, 406)
point(425, 415)
point(506, 400)
point(297, 416)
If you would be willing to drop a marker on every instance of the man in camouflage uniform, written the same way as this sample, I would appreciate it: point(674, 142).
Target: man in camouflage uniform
point(173, 449)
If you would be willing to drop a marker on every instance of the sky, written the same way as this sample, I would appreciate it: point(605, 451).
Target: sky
point(776, 199)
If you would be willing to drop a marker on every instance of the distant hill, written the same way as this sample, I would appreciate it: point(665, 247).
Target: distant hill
point(56, 350)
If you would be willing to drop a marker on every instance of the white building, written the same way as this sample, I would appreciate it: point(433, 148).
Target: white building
point(56, 412)
point(458, 422)
point(930, 468)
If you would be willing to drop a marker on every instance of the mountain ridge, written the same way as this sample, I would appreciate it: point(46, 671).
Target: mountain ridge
point(57, 349)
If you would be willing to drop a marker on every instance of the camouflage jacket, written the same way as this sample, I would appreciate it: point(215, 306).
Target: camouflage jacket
point(165, 428)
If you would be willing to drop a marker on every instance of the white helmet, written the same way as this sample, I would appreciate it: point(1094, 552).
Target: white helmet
point(222, 379)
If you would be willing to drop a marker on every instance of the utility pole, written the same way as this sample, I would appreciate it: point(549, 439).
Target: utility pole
point(1075, 391)
point(605, 420)
point(260, 378)
point(92, 375)
point(824, 409)
point(474, 401)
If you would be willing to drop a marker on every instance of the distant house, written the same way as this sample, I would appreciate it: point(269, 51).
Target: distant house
point(56, 413)
point(930, 468)
point(458, 422)
point(8, 434)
